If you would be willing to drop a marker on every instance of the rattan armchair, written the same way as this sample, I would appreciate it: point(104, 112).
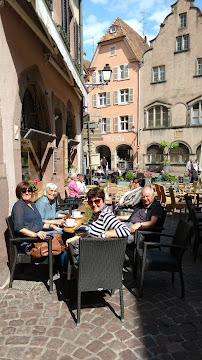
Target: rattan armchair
point(151, 256)
point(22, 258)
point(100, 267)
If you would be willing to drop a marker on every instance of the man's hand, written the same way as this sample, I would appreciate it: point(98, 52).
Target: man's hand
point(55, 227)
point(134, 227)
point(59, 222)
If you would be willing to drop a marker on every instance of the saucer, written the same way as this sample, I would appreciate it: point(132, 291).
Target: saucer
point(70, 225)
point(77, 217)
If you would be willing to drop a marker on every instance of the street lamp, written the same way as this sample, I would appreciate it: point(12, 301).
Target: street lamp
point(106, 75)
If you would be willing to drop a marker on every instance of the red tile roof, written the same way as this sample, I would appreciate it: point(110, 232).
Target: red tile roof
point(135, 41)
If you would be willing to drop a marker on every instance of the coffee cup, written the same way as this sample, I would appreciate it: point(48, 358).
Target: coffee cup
point(70, 222)
point(76, 214)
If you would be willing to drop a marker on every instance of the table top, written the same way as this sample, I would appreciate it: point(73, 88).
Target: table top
point(71, 230)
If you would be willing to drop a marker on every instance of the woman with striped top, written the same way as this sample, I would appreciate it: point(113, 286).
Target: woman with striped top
point(103, 223)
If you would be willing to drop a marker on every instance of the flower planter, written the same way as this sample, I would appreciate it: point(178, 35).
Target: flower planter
point(147, 181)
point(185, 179)
point(125, 183)
point(166, 167)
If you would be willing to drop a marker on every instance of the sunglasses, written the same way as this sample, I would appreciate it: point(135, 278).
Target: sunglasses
point(25, 191)
point(97, 202)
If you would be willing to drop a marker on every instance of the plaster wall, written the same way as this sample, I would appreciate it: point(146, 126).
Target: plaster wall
point(122, 57)
point(180, 86)
point(22, 63)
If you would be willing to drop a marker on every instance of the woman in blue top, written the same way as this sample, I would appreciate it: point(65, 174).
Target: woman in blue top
point(46, 205)
point(26, 218)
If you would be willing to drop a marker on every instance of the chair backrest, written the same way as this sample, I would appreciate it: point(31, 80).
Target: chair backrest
point(163, 195)
point(158, 192)
point(66, 191)
point(59, 199)
point(10, 225)
point(181, 237)
point(101, 263)
point(172, 196)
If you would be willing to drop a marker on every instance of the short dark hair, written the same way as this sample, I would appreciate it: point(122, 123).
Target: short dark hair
point(23, 185)
point(96, 192)
point(139, 180)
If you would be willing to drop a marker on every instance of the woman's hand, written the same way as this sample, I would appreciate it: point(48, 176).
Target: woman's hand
point(134, 227)
point(55, 227)
point(59, 222)
point(41, 235)
point(76, 237)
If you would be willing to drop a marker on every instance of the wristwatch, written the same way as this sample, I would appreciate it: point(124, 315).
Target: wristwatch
point(103, 235)
point(140, 224)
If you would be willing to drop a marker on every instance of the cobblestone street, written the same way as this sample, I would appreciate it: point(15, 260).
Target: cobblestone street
point(36, 325)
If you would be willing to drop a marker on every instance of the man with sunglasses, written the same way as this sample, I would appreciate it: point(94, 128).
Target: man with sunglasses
point(103, 223)
point(133, 196)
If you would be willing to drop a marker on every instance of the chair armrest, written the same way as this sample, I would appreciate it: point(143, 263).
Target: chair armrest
point(151, 229)
point(71, 250)
point(154, 233)
point(147, 243)
point(30, 239)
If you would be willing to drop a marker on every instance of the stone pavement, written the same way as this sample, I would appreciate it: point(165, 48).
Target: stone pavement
point(36, 325)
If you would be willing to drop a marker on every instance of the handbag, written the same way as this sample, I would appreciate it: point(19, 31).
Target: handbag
point(40, 249)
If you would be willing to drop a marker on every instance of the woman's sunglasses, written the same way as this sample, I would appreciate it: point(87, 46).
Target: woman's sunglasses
point(25, 191)
point(97, 202)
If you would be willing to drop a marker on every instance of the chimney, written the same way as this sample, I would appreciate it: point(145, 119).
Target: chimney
point(145, 39)
point(84, 56)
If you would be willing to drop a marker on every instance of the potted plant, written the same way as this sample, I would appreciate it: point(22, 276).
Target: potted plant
point(129, 176)
point(186, 177)
point(121, 181)
point(148, 178)
point(167, 147)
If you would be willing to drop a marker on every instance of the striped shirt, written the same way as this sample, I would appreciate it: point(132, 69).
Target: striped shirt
point(107, 221)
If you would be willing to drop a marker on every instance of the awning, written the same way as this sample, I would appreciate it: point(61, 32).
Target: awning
point(73, 142)
point(45, 16)
point(33, 134)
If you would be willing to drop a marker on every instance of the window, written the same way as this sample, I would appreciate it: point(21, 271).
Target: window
point(103, 125)
point(158, 73)
point(113, 30)
point(180, 154)
point(100, 76)
point(183, 20)
point(158, 117)
point(199, 66)
point(197, 113)
point(124, 96)
point(112, 50)
point(102, 99)
point(182, 43)
point(121, 72)
point(154, 154)
point(124, 123)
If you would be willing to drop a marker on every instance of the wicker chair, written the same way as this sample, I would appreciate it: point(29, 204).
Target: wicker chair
point(100, 267)
point(153, 259)
point(22, 258)
point(196, 218)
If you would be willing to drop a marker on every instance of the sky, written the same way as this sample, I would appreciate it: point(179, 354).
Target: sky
point(144, 16)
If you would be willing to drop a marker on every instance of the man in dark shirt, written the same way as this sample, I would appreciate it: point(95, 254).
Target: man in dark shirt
point(147, 213)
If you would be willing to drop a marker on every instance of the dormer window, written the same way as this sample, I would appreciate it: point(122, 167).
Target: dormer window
point(113, 30)
point(183, 20)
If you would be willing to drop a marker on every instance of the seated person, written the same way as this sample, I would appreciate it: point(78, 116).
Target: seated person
point(26, 218)
point(81, 184)
point(73, 188)
point(133, 196)
point(148, 213)
point(103, 223)
point(46, 205)
point(99, 171)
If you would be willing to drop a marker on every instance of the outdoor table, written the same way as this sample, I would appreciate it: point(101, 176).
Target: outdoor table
point(71, 230)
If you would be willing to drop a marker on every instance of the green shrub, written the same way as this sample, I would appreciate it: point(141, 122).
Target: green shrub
point(165, 177)
point(129, 176)
point(120, 178)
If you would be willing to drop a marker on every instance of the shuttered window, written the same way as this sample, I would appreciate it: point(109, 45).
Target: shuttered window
point(116, 97)
point(94, 77)
point(108, 123)
point(116, 124)
point(115, 73)
point(76, 40)
point(94, 100)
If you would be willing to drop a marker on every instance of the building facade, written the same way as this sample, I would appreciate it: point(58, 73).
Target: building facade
point(41, 97)
point(115, 106)
point(170, 87)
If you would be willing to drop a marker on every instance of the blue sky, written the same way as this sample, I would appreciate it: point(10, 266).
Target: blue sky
point(141, 15)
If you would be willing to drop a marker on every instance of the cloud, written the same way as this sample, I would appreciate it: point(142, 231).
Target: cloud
point(135, 24)
point(94, 30)
point(159, 16)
